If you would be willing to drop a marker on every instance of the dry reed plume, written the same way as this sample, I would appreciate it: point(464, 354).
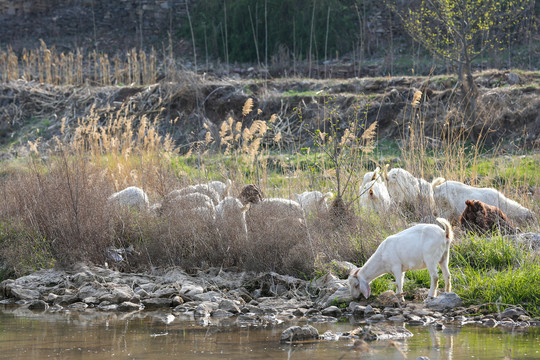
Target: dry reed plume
point(47, 65)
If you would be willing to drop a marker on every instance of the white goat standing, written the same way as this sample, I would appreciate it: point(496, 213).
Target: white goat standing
point(313, 202)
point(450, 197)
point(132, 197)
point(418, 247)
point(374, 196)
point(410, 192)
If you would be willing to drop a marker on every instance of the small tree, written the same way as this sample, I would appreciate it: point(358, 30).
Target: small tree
point(461, 30)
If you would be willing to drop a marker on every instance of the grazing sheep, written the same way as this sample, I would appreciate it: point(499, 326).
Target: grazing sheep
point(418, 247)
point(374, 196)
point(411, 193)
point(251, 194)
point(450, 197)
point(277, 230)
point(132, 197)
point(375, 175)
point(221, 188)
point(231, 219)
point(313, 202)
point(481, 217)
point(200, 188)
point(276, 209)
point(195, 203)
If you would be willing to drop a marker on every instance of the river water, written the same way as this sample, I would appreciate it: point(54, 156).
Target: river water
point(88, 334)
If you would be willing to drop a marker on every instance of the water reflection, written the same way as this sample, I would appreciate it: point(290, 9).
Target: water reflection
point(160, 335)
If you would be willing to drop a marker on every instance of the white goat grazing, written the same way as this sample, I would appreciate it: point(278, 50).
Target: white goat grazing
point(313, 202)
point(418, 247)
point(374, 196)
point(231, 218)
point(221, 188)
point(410, 192)
point(200, 188)
point(132, 197)
point(374, 175)
point(450, 197)
point(195, 203)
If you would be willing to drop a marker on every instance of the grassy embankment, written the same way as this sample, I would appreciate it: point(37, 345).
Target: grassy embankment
point(54, 210)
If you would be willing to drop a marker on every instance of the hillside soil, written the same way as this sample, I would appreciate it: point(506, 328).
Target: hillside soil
point(507, 113)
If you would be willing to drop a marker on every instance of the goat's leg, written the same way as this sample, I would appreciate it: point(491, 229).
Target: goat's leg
point(399, 274)
point(446, 272)
point(432, 268)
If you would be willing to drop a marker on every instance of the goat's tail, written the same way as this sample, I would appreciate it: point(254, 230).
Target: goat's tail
point(437, 181)
point(449, 233)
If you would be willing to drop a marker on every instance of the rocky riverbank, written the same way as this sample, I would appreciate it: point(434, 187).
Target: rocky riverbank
point(249, 298)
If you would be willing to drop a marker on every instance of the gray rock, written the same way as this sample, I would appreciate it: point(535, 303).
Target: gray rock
point(128, 306)
point(512, 313)
point(38, 305)
point(297, 333)
point(78, 306)
point(359, 311)
point(143, 294)
point(66, 299)
point(388, 298)
point(177, 300)
point(422, 358)
point(445, 301)
point(205, 308)
point(190, 290)
point(213, 296)
point(222, 313)
point(230, 306)
point(166, 292)
point(253, 309)
point(368, 311)
point(92, 290)
point(91, 300)
point(383, 332)
point(157, 303)
point(397, 318)
point(300, 312)
point(24, 294)
point(108, 307)
point(340, 295)
point(328, 280)
point(376, 318)
point(333, 311)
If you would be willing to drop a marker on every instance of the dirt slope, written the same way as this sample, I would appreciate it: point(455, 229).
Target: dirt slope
point(508, 107)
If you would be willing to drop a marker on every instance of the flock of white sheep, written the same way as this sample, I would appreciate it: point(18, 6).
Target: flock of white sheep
point(420, 246)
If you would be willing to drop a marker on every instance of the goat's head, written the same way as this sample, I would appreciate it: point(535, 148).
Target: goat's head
point(358, 285)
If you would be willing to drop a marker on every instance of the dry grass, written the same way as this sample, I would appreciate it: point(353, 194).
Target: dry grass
point(47, 65)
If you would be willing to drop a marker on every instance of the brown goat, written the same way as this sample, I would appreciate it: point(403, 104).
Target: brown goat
point(250, 194)
point(481, 217)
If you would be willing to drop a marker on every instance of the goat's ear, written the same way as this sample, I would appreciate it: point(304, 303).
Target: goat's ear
point(296, 196)
point(246, 207)
point(469, 203)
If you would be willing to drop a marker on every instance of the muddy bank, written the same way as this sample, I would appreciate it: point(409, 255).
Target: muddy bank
point(508, 107)
point(248, 298)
